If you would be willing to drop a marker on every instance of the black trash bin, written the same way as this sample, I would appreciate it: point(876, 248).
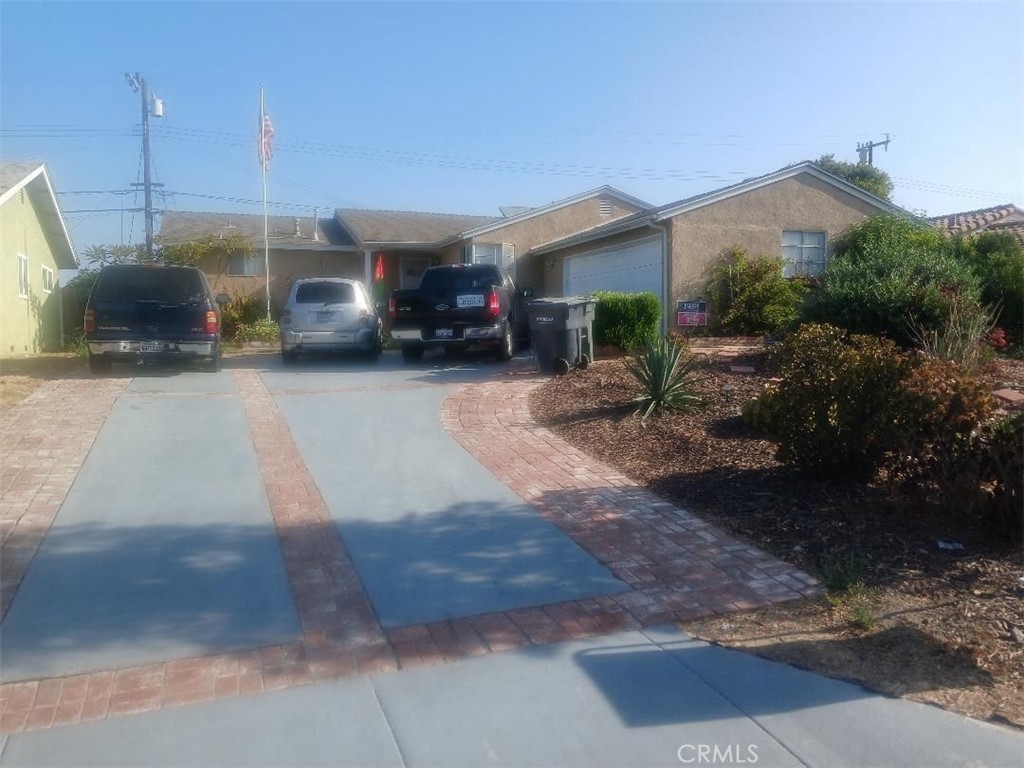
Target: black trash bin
point(562, 331)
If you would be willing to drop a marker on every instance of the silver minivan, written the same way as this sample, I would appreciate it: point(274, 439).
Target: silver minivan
point(329, 314)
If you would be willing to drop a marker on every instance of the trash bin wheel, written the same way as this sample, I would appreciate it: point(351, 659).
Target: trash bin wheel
point(561, 366)
point(584, 362)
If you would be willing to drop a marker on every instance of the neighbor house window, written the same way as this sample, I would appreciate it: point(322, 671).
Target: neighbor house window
point(803, 253)
point(47, 280)
point(244, 266)
point(22, 276)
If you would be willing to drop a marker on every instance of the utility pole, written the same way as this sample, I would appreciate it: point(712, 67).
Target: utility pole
point(866, 151)
point(138, 84)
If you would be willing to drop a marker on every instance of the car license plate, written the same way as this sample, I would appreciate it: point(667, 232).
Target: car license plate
point(474, 300)
point(444, 333)
point(324, 316)
point(151, 346)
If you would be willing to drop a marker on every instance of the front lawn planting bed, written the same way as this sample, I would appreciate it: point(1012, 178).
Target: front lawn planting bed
point(944, 626)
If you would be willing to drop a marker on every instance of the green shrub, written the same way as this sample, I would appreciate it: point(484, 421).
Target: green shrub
point(1003, 472)
point(942, 408)
point(76, 343)
point(761, 412)
point(888, 272)
point(841, 571)
point(997, 260)
point(260, 330)
point(663, 370)
point(964, 338)
point(838, 402)
point(750, 295)
point(626, 320)
point(243, 310)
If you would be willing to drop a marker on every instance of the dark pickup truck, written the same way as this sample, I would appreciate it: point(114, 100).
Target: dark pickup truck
point(459, 307)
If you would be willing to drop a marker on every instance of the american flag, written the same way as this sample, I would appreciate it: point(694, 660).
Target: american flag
point(266, 134)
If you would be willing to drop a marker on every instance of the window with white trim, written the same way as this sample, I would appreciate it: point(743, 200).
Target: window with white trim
point(241, 265)
point(23, 284)
point(499, 254)
point(47, 280)
point(803, 253)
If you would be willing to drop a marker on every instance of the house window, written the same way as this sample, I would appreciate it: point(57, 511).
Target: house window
point(22, 276)
point(47, 280)
point(241, 265)
point(499, 254)
point(803, 253)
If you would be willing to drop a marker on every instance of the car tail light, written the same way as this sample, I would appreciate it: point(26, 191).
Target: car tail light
point(212, 325)
point(391, 308)
point(286, 317)
point(90, 321)
point(493, 304)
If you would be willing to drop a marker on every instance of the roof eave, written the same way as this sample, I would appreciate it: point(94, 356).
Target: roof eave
point(603, 190)
point(672, 210)
point(587, 237)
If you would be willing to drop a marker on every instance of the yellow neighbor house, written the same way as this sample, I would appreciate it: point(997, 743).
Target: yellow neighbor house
point(34, 247)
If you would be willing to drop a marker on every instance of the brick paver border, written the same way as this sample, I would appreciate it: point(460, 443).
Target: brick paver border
point(677, 567)
point(44, 441)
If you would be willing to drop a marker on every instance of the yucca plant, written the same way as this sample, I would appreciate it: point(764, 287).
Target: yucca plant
point(663, 370)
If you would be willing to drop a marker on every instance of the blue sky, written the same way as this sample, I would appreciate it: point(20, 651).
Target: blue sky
point(465, 107)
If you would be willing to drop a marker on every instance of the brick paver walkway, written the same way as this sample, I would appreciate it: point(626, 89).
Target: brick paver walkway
point(677, 566)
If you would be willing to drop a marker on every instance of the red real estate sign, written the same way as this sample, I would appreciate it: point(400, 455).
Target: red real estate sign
point(691, 313)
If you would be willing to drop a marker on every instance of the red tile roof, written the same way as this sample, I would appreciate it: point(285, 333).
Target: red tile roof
point(1001, 218)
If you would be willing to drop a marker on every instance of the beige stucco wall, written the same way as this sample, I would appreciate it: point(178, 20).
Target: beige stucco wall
point(27, 326)
point(530, 272)
point(755, 221)
point(285, 267)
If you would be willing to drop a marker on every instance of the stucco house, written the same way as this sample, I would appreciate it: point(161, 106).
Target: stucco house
point(1006, 218)
point(794, 212)
point(34, 247)
point(404, 243)
point(309, 246)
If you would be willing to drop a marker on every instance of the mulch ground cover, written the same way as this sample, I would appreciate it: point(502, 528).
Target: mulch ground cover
point(936, 625)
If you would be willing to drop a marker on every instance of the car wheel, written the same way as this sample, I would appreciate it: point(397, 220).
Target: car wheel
point(412, 353)
point(213, 364)
point(99, 363)
point(508, 346)
point(288, 356)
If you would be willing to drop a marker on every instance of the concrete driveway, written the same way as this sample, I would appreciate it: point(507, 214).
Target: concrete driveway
point(342, 538)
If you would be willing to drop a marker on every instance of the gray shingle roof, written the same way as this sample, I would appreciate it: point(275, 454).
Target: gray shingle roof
point(407, 226)
point(13, 173)
point(182, 226)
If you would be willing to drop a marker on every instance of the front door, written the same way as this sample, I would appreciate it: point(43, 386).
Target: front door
point(412, 269)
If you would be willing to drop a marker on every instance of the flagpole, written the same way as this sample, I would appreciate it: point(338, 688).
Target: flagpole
point(266, 224)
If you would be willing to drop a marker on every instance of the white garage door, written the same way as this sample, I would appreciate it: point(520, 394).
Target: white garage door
point(632, 268)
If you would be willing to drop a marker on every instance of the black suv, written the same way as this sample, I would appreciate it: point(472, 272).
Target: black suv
point(152, 312)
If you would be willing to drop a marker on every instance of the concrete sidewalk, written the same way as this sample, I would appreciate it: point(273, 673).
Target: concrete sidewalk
point(653, 697)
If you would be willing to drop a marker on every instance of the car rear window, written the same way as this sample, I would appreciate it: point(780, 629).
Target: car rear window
point(325, 293)
point(150, 284)
point(460, 279)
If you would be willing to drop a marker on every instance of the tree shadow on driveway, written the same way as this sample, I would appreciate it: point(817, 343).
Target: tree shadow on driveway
point(99, 597)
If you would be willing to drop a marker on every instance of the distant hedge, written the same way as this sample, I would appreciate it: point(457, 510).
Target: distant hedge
point(626, 320)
